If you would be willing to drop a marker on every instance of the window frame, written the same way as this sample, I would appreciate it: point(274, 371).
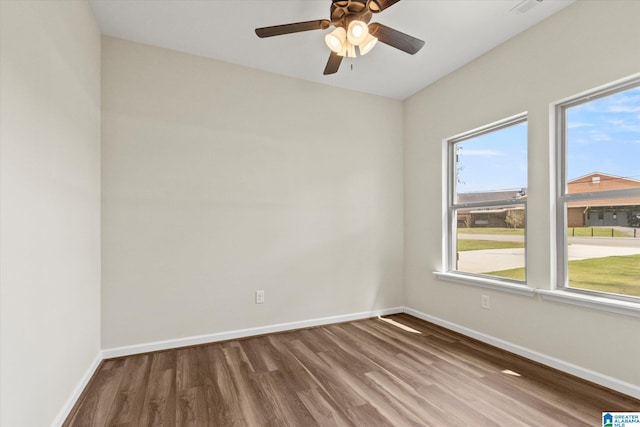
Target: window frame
point(452, 206)
point(563, 198)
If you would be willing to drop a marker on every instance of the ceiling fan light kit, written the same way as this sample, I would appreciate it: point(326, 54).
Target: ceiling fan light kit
point(344, 42)
point(336, 40)
point(368, 44)
point(358, 32)
point(351, 50)
point(351, 18)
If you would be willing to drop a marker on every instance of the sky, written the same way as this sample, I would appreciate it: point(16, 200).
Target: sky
point(493, 161)
point(603, 136)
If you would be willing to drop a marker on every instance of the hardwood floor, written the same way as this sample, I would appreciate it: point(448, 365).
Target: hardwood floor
point(363, 373)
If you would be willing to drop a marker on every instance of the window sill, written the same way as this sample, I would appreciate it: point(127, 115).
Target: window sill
point(598, 303)
point(486, 283)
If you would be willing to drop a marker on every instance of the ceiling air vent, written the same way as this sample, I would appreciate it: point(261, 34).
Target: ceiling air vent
point(525, 6)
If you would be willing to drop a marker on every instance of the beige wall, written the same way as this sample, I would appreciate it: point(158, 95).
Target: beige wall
point(586, 45)
point(219, 180)
point(49, 206)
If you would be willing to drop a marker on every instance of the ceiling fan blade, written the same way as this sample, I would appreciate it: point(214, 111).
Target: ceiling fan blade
point(395, 38)
point(296, 27)
point(380, 5)
point(332, 64)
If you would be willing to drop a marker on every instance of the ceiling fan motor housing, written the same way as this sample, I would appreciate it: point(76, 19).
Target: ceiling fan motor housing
point(345, 11)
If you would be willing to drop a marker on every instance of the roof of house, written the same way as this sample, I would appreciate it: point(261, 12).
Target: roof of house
point(608, 177)
point(594, 181)
point(487, 196)
point(597, 181)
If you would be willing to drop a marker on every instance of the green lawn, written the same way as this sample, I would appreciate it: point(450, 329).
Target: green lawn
point(476, 245)
point(514, 273)
point(615, 274)
point(577, 231)
point(597, 232)
point(488, 230)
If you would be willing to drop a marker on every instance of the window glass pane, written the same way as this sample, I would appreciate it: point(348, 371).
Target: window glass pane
point(491, 241)
point(604, 245)
point(492, 166)
point(603, 143)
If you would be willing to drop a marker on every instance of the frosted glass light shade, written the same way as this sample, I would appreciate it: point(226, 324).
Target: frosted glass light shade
point(351, 50)
point(343, 52)
point(368, 44)
point(336, 39)
point(357, 32)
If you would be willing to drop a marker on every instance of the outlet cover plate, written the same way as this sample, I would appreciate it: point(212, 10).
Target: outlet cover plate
point(486, 303)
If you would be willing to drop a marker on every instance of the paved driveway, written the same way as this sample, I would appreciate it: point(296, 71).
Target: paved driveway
point(503, 259)
point(595, 241)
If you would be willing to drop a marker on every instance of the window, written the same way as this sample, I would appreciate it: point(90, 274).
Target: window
point(487, 200)
point(599, 192)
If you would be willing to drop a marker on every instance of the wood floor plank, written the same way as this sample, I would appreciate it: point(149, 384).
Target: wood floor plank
point(322, 410)
point(192, 408)
point(489, 402)
point(419, 348)
point(226, 409)
point(318, 340)
point(535, 406)
point(397, 364)
point(547, 384)
point(287, 406)
point(260, 354)
point(363, 373)
point(428, 329)
point(326, 377)
point(360, 385)
point(411, 400)
point(457, 406)
point(159, 406)
point(252, 400)
point(129, 399)
point(367, 415)
point(300, 378)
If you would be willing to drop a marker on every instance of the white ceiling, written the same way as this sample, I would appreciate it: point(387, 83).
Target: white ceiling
point(455, 32)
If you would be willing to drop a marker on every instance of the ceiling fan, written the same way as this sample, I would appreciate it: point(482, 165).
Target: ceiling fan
point(350, 17)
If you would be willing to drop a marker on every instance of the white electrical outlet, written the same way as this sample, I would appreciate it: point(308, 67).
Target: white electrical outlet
point(486, 303)
point(259, 297)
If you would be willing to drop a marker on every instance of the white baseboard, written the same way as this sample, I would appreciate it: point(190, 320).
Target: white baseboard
point(241, 333)
point(77, 391)
point(578, 371)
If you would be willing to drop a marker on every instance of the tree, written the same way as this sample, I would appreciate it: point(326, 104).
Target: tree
point(633, 218)
point(515, 218)
point(459, 167)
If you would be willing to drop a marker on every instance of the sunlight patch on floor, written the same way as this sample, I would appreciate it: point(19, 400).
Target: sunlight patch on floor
point(510, 372)
point(399, 325)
